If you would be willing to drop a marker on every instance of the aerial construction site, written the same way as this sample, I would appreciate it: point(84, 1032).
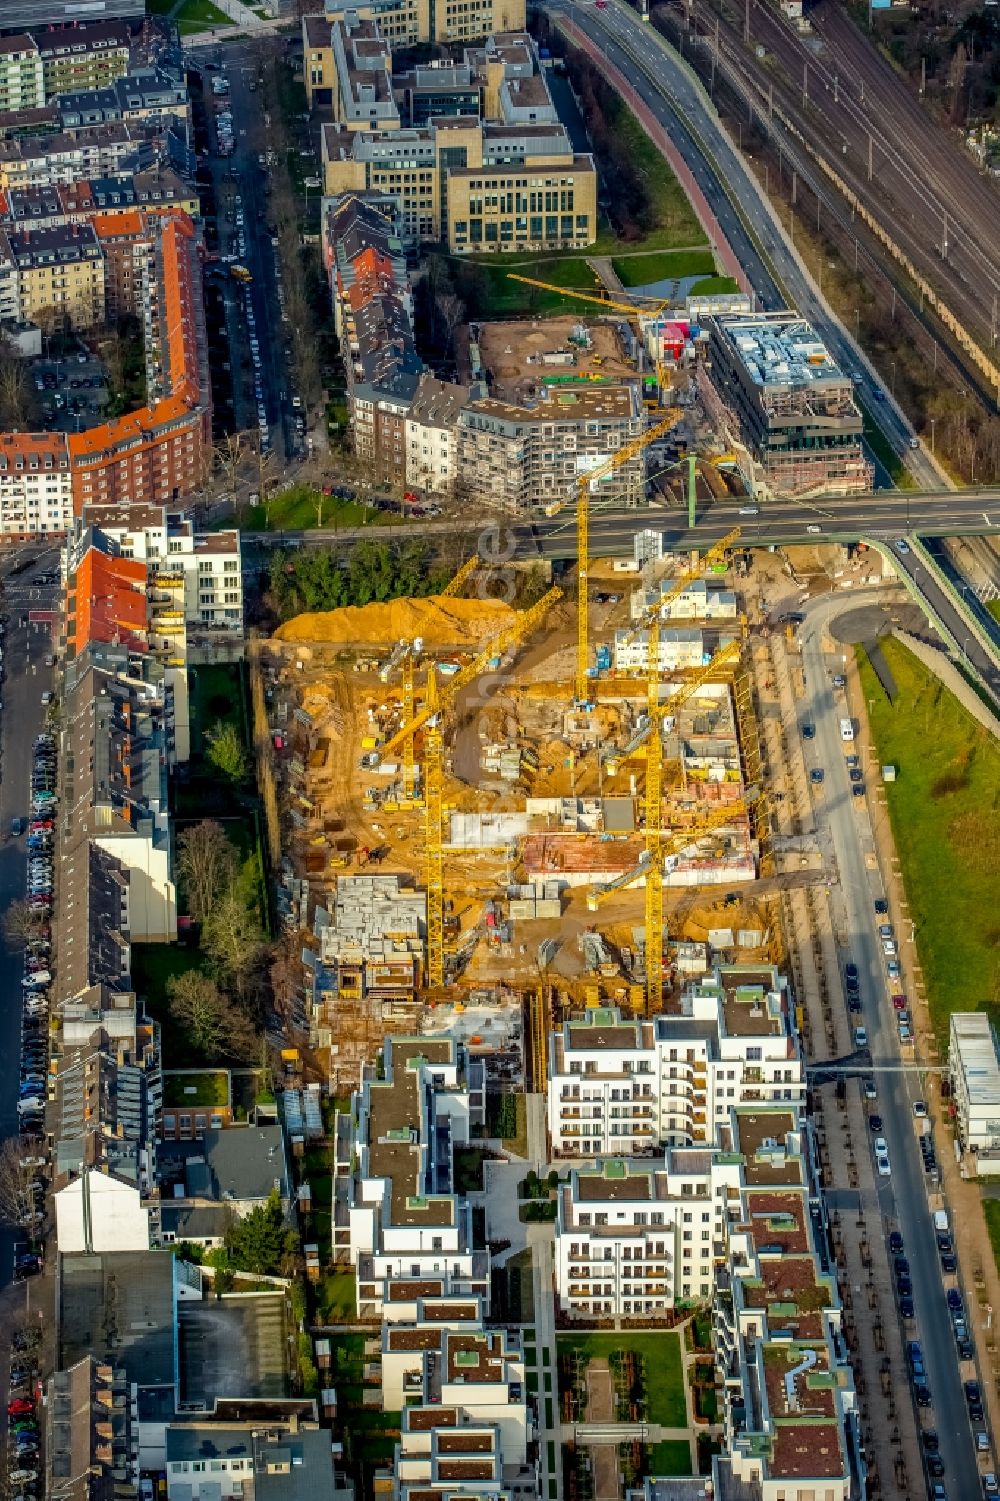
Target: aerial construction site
point(472, 827)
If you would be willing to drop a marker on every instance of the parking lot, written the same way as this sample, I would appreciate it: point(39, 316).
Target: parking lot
point(70, 392)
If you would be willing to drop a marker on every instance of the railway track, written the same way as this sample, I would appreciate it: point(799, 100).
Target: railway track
point(858, 117)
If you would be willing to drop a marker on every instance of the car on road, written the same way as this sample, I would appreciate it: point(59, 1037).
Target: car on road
point(922, 1395)
point(881, 906)
point(991, 1488)
point(902, 545)
point(920, 1109)
point(875, 1123)
point(858, 789)
point(954, 1300)
point(860, 1037)
point(808, 732)
point(883, 1165)
point(892, 969)
point(870, 1088)
point(974, 1401)
point(906, 1308)
point(817, 774)
point(814, 528)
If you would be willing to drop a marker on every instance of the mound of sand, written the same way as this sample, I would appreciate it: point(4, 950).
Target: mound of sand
point(441, 622)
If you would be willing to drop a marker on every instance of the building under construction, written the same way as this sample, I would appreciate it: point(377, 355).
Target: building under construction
point(790, 405)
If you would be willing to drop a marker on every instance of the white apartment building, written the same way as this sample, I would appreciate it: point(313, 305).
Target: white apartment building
point(627, 1088)
point(681, 647)
point(975, 1081)
point(696, 601)
point(431, 440)
point(210, 563)
point(397, 1214)
point(36, 486)
point(22, 73)
point(634, 1239)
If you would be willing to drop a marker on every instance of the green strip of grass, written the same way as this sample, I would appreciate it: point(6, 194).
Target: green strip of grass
point(945, 811)
point(665, 265)
point(883, 450)
point(991, 1209)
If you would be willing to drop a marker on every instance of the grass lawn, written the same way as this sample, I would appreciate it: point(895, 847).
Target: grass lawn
point(299, 509)
point(713, 286)
point(664, 1370)
point(991, 1209)
point(883, 450)
point(335, 1298)
point(153, 964)
point(945, 811)
point(993, 605)
point(507, 1118)
point(637, 270)
point(488, 292)
point(217, 693)
point(676, 221)
point(671, 1457)
point(196, 1089)
point(198, 15)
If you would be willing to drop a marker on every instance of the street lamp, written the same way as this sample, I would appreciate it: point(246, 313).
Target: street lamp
point(933, 421)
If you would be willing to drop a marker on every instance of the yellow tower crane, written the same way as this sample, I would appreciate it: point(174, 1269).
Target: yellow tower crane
point(429, 718)
point(633, 308)
point(654, 815)
point(454, 586)
point(584, 486)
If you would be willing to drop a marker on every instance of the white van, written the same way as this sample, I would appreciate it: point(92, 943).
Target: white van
point(846, 729)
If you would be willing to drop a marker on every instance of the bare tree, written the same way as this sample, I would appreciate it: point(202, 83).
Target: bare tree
point(20, 925)
point(207, 863)
point(214, 1024)
point(17, 1198)
point(14, 391)
point(232, 937)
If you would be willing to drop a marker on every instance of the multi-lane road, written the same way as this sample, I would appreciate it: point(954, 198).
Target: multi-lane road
point(885, 516)
point(241, 176)
point(903, 1197)
point(774, 270)
point(26, 677)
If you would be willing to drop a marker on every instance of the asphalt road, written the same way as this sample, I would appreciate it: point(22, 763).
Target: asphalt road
point(888, 515)
point(239, 62)
point(942, 600)
point(774, 270)
point(903, 1196)
point(26, 678)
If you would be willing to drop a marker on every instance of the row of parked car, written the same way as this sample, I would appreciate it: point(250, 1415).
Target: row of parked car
point(37, 978)
point(24, 1470)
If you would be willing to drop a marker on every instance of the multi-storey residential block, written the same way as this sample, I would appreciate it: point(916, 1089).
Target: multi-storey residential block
point(104, 1183)
point(153, 194)
point(147, 94)
point(520, 457)
point(205, 568)
point(22, 76)
point(36, 484)
point(95, 151)
point(625, 1087)
point(91, 1444)
point(399, 1217)
point(86, 55)
point(431, 443)
point(57, 275)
